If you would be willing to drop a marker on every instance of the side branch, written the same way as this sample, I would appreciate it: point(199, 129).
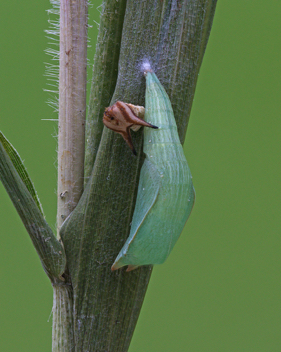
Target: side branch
point(49, 249)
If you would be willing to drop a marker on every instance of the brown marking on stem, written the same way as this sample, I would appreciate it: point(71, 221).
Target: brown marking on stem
point(120, 118)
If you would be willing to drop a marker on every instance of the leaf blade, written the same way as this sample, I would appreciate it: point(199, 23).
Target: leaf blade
point(21, 169)
point(49, 249)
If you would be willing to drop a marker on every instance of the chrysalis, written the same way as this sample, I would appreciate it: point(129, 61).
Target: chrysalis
point(165, 194)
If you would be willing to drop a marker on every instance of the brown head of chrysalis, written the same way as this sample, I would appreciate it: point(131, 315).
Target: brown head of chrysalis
point(121, 117)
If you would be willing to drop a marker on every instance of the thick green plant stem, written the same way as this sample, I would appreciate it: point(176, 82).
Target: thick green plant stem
point(63, 339)
point(104, 308)
point(49, 249)
point(172, 36)
point(104, 75)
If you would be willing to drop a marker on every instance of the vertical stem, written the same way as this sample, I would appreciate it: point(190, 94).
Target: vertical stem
point(63, 337)
point(170, 34)
point(72, 105)
point(104, 78)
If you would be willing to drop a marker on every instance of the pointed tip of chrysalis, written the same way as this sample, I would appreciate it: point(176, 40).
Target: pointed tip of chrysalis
point(115, 267)
point(131, 267)
point(117, 264)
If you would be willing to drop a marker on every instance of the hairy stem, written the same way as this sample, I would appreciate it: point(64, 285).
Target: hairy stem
point(72, 105)
point(71, 146)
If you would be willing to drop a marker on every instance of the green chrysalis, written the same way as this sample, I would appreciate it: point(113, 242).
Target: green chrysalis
point(165, 194)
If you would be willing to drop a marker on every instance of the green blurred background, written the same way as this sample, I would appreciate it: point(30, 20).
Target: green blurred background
point(220, 289)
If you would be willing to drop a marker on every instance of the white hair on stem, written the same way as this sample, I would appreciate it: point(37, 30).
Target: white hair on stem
point(52, 68)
